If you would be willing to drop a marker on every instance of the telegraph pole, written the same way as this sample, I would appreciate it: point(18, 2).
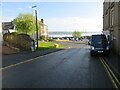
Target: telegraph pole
point(36, 28)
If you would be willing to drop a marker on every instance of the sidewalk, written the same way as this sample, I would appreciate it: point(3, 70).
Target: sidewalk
point(9, 59)
point(114, 62)
point(7, 50)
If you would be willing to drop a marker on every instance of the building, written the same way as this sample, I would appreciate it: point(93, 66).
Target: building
point(7, 27)
point(44, 29)
point(111, 24)
point(42, 32)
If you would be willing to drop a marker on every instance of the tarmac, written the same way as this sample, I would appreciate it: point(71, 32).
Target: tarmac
point(9, 54)
point(11, 57)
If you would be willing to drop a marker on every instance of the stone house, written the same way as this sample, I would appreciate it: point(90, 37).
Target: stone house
point(111, 24)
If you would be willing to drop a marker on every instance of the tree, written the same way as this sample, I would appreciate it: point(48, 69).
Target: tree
point(24, 23)
point(77, 34)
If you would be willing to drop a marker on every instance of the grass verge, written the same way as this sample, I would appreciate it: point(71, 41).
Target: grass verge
point(47, 45)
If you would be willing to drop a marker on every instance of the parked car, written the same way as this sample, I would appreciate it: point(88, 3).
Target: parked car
point(46, 40)
point(89, 42)
point(41, 40)
point(99, 45)
point(50, 40)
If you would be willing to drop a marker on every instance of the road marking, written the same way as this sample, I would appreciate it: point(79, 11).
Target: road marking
point(27, 60)
point(112, 72)
point(102, 61)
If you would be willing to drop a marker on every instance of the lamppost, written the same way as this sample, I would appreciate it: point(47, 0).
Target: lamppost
point(36, 25)
point(1, 36)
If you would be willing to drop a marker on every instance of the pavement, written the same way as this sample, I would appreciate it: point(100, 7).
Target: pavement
point(114, 62)
point(7, 50)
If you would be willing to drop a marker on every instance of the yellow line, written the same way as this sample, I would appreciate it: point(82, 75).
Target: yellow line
point(109, 74)
point(106, 60)
point(26, 61)
point(112, 72)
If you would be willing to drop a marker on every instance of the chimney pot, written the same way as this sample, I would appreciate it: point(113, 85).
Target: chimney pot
point(42, 20)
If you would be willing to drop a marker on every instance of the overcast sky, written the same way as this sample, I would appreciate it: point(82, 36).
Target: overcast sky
point(60, 16)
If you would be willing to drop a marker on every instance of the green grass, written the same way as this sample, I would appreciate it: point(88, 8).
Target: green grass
point(47, 45)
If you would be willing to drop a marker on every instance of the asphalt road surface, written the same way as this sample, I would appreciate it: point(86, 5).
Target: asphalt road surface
point(72, 44)
point(71, 68)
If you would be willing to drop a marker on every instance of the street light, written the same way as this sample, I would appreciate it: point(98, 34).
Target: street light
point(36, 25)
point(34, 6)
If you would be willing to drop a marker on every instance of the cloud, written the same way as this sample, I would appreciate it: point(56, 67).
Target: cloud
point(29, 6)
point(11, 11)
point(75, 23)
point(70, 24)
point(20, 9)
point(56, 0)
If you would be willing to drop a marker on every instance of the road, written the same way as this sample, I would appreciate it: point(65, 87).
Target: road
point(70, 68)
point(73, 44)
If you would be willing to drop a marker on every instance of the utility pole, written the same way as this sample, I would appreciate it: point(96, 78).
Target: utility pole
point(33, 32)
point(36, 28)
point(36, 25)
point(1, 39)
point(1, 36)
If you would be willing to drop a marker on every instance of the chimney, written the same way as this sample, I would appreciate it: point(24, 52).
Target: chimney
point(42, 20)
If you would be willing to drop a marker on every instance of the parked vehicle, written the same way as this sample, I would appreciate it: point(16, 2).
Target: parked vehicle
point(99, 45)
point(41, 40)
point(46, 40)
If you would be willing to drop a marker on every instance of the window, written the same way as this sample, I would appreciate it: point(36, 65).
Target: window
point(42, 27)
point(112, 16)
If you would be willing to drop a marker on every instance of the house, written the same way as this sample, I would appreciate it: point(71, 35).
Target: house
point(44, 29)
point(43, 32)
point(111, 24)
point(7, 27)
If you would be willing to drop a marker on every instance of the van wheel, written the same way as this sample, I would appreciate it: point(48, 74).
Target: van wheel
point(91, 54)
point(107, 54)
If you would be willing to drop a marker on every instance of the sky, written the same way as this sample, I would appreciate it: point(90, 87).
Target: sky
point(60, 16)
